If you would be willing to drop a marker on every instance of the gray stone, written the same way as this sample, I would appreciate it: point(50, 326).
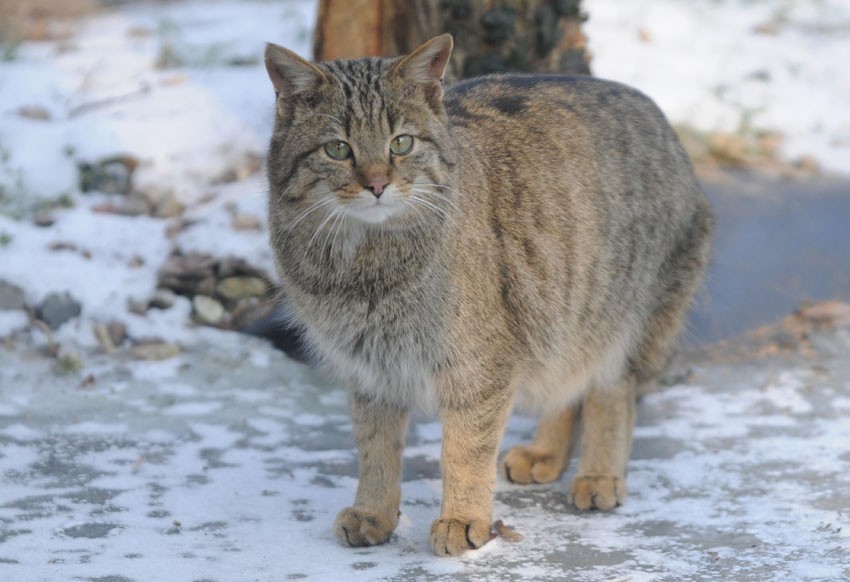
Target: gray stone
point(236, 288)
point(162, 299)
point(117, 332)
point(246, 222)
point(69, 358)
point(156, 351)
point(112, 175)
point(12, 297)
point(207, 310)
point(43, 219)
point(110, 335)
point(134, 206)
point(58, 308)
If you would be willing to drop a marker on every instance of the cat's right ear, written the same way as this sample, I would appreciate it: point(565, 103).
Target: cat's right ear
point(426, 66)
point(289, 73)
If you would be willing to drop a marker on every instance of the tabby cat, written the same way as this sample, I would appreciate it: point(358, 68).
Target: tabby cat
point(512, 240)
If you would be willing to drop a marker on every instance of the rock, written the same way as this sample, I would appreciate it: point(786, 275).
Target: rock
point(198, 274)
point(62, 245)
point(12, 297)
point(103, 338)
point(156, 351)
point(167, 207)
point(162, 299)
point(136, 261)
point(69, 358)
point(206, 286)
point(243, 168)
point(112, 175)
point(182, 274)
point(233, 267)
point(246, 222)
point(111, 335)
point(43, 219)
point(137, 306)
point(34, 112)
point(826, 313)
point(162, 201)
point(58, 308)
point(207, 310)
point(134, 205)
point(117, 332)
point(236, 288)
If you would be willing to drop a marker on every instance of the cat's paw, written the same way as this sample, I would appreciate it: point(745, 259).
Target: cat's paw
point(603, 492)
point(357, 527)
point(452, 537)
point(526, 465)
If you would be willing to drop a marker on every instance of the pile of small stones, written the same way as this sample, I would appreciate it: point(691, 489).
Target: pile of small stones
point(228, 293)
point(114, 175)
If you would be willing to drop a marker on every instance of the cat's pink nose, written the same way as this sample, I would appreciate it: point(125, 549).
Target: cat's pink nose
point(377, 185)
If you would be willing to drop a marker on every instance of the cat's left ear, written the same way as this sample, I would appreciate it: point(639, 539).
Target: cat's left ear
point(426, 66)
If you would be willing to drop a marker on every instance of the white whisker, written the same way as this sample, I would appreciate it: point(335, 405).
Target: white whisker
point(344, 215)
point(441, 211)
point(328, 236)
point(452, 207)
point(437, 195)
point(330, 215)
point(290, 228)
point(312, 208)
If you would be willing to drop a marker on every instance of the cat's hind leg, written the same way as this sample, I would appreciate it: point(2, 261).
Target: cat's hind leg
point(547, 457)
point(608, 421)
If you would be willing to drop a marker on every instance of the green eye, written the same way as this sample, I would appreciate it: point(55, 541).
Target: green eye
point(338, 150)
point(401, 144)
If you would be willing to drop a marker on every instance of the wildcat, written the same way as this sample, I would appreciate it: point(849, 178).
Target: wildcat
point(512, 240)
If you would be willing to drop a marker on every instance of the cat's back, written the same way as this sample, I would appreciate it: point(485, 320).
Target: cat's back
point(541, 98)
point(595, 121)
point(584, 145)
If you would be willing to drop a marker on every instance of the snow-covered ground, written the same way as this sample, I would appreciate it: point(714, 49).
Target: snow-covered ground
point(736, 66)
point(228, 462)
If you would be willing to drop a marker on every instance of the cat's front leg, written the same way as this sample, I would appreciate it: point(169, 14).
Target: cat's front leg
point(472, 431)
point(379, 430)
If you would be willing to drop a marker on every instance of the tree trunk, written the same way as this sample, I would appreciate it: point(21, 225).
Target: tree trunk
point(491, 36)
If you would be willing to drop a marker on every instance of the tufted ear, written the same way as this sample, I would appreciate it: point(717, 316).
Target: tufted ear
point(427, 64)
point(289, 73)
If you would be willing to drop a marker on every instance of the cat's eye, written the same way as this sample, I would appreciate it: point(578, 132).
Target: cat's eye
point(338, 150)
point(401, 144)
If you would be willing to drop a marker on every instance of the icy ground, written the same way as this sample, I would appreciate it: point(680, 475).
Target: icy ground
point(228, 462)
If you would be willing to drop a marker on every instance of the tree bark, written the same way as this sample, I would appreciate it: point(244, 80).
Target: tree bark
point(491, 36)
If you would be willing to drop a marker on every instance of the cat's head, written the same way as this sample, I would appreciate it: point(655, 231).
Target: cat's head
point(366, 140)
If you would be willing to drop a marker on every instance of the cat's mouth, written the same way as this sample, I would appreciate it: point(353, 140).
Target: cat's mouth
point(367, 207)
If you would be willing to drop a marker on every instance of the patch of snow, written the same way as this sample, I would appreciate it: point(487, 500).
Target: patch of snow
point(12, 321)
point(707, 65)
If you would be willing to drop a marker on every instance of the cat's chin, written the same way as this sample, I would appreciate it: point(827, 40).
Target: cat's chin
point(374, 213)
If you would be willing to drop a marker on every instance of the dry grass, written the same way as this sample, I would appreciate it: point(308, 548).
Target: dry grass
point(716, 151)
point(22, 20)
